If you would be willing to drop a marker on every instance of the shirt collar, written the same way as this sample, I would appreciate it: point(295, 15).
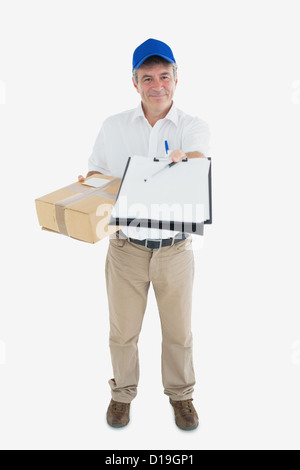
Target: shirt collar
point(171, 116)
point(138, 112)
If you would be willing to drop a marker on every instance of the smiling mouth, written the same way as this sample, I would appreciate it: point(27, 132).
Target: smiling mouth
point(157, 96)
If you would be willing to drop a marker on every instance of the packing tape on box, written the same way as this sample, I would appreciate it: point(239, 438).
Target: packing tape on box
point(83, 192)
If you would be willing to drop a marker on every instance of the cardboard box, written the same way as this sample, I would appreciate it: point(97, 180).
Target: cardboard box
point(80, 211)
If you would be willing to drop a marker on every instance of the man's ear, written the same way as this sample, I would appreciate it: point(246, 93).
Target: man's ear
point(135, 85)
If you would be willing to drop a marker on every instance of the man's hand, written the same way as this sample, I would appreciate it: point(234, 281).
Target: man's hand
point(178, 155)
point(90, 173)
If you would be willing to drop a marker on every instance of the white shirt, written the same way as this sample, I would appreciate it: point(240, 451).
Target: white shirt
point(129, 133)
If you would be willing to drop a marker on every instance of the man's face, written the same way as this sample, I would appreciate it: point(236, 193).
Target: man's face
point(156, 85)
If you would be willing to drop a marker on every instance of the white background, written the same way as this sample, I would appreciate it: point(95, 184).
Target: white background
point(64, 67)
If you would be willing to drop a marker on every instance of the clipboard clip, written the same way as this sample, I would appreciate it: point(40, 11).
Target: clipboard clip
point(169, 165)
point(155, 159)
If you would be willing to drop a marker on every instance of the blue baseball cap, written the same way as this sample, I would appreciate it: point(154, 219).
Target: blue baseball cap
point(149, 48)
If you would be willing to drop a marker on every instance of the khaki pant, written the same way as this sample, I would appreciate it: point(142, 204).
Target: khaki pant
point(129, 270)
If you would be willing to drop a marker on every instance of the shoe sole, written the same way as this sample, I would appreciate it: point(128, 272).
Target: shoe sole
point(190, 428)
point(117, 426)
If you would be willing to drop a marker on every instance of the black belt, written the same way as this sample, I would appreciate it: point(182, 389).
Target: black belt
point(157, 244)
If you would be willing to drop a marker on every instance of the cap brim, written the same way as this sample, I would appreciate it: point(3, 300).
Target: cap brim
point(137, 66)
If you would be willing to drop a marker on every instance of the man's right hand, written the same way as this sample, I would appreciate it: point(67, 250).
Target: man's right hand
point(90, 173)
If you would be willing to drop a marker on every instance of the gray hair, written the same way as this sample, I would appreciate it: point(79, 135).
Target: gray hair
point(153, 60)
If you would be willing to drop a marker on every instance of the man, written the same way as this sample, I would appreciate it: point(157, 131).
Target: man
point(138, 256)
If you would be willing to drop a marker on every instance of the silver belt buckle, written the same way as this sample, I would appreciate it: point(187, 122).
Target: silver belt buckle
point(154, 240)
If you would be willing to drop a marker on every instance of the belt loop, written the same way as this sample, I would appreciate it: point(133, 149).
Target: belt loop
point(120, 240)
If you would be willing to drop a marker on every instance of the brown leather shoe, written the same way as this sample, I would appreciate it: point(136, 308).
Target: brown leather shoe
point(117, 414)
point(186, 416)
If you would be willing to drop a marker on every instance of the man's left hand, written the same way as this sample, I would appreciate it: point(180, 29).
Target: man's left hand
point(178, 155)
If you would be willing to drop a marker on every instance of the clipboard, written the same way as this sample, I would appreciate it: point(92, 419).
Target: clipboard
point(177, 199)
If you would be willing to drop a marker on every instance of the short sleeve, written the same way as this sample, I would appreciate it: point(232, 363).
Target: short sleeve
point(196, 137)
point(97, 160)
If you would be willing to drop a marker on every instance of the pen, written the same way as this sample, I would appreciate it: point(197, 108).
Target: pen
point(162, 169)
point(167, 147)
